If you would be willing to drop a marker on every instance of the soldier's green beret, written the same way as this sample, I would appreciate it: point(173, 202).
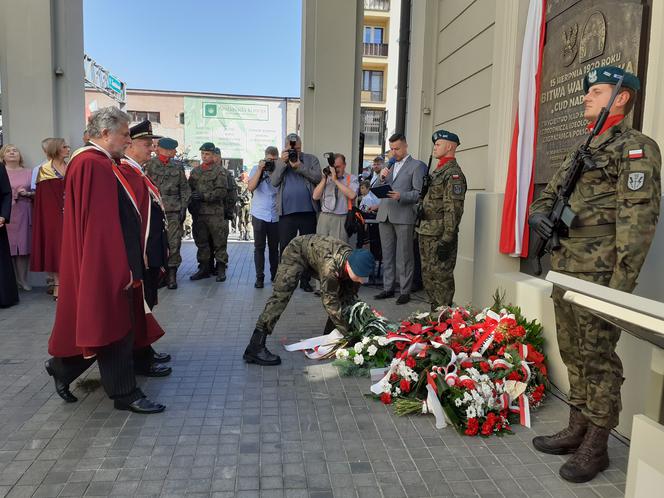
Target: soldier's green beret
point(207, 147)
point(610, 75)
point(361, 261)
point(217, 151)
point(168, 143)
point(445, 135)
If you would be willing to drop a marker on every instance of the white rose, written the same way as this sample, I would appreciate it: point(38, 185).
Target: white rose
point(397, 391)
point(372, 350)
point(358, 347)
point(359, 359)
point(366, 340)
point(342, 354)
point(470, 412)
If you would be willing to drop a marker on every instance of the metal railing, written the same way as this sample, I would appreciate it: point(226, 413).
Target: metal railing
point(373, 126)
point(383, 5)
point(375, 49)
point(372, 96)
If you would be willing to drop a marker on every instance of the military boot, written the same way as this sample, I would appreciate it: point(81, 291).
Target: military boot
point(200, 274)
point(256, 351)
point(221, 273)
point(567, 440)
point(591, 458)
point(172, 278)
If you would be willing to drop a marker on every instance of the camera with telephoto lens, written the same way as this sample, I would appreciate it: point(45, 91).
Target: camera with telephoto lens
point(268, 166)
point(330, 161)
point(293, 155)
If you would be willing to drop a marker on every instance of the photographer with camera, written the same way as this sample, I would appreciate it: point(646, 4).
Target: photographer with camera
point(336, 191)
point(264, 217)
point(295, 175)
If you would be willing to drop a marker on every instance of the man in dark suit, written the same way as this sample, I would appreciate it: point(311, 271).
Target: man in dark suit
point(396, 217)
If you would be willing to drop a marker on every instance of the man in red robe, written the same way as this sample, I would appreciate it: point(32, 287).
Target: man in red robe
point(101, 309)
point(153, 237)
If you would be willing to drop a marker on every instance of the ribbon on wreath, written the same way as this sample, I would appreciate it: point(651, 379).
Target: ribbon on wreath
point(319, 347)
point(432, 403)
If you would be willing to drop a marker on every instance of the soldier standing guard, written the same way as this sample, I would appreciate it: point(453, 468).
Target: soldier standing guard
point(616, 203)
point(209, 193)
point(169, 177)
point(440, 215)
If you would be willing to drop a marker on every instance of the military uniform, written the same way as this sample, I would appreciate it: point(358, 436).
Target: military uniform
point(244, 207)
point(208, 213)
point(324, 257)
point(617, 204)
point(617, 207)
point(171, 181)
point(438, 232)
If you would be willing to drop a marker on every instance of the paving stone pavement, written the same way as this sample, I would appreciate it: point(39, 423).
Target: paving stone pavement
point(231, 429)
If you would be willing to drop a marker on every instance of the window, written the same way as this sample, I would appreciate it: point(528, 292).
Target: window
point(372, 81)
point(138, 116)
point(373, 34)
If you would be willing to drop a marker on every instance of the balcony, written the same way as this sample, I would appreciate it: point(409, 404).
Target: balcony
point(382, 5)
point(375, 50)
point(376, 97)
point(373, 126)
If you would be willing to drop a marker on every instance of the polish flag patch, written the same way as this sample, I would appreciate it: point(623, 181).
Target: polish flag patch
point(635, 154)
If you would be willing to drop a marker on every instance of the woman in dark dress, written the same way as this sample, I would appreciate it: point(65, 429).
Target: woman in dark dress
point(8, 287)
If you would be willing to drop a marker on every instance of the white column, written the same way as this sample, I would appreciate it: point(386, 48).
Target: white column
point(331, 62)
point(41, 73)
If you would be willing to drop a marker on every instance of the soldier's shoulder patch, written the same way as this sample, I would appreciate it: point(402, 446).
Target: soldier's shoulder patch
point(636, 180)
point(635, 154)
point(458, 188)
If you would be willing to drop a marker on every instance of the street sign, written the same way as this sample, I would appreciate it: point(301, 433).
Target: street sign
point(114, 84)
point(100, 78)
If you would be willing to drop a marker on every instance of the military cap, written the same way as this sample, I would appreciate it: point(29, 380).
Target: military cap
point(217, 151)
point(445, 135)
point(168, 143)
point(142, 130)
point(361, 261)
point(207, 147)
point(610, 75)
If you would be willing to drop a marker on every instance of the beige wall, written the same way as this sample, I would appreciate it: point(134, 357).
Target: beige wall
point(38, 37)
point(467, 82)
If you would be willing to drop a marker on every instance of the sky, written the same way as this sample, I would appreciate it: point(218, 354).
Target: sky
point(247, 47)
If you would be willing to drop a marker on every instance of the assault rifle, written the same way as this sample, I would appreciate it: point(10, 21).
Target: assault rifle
point(426, 181)
point(561, 215)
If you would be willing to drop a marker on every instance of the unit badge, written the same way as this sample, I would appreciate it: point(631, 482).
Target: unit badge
point(592, 76)
point(635, 180)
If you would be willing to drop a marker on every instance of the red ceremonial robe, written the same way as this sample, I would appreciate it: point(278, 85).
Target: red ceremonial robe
point(97, 288)
point(47, 221)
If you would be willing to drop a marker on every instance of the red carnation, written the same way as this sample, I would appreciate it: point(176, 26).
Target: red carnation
point(518, 331)
point(498, 337)
point(401, 345)
point(386, 398)
point(542, 368)
point(534, 356)
point(404, 385)
point(466, 364)
point(487, 428)
point(410, 362)
point(472, 427)
point(416, 328)
point(394, 377)
point(514, 376)
point(484, 366)
point(467, 383)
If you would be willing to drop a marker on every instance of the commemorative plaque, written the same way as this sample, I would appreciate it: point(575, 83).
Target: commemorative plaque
point(580, 35)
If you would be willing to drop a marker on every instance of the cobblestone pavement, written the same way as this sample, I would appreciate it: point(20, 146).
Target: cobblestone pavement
point(297, 430)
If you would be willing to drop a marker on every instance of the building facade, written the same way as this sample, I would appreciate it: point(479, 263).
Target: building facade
point(182, 116)
point(380, 50)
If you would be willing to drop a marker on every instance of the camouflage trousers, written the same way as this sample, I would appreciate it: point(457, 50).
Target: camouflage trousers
point(588, 348)
point(437, 276)
point(175, 233)
point(285, 282)
point(244, 218)
point(211, 235)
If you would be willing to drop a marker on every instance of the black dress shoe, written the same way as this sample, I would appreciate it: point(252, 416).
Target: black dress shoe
point(161, 357)
point(403, 299)
point(155, 370)
point(384, 295)
point(60, 387)
point(306, 287)
point(141, 405)
point(259, 283)
point(200, 274)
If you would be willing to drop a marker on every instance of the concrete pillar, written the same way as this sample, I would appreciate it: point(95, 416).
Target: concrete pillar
point(331, 77)
point(41, 73)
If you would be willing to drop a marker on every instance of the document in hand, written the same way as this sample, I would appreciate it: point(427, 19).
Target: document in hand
point(381, 191)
